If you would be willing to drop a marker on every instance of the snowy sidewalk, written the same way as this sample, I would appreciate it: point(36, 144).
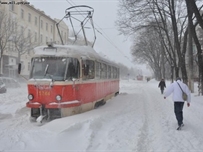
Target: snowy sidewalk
point(138, 119)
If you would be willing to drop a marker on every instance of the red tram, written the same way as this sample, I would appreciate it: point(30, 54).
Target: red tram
point(67, 79)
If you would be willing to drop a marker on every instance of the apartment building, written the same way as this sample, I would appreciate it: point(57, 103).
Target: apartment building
point(36, 27)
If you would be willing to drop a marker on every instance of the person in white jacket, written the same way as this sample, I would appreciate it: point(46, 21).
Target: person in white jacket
point(177, 98)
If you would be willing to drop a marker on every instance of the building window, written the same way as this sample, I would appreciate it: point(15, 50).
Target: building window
point(65, 37)
point(29, 17)
point(41, 37)
point(41, 24)
point(29, 33)
point(29, 66)
point(36, 21)
point(22, 13)
point(46, 26)
point(35, 36)
point(11, 5)
point(62, 34)
point(13, 25)
point(51, 29)
point(22, 30)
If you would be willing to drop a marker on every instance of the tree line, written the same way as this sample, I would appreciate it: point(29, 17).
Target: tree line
point(164, 33)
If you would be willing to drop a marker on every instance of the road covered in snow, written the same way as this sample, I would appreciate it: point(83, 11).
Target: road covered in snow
point(136, 120)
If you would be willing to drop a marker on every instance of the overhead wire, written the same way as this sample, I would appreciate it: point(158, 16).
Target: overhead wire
point(103, 33)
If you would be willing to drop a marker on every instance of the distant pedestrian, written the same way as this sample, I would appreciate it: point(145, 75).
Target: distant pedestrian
point(177, 88)
point(162, 85)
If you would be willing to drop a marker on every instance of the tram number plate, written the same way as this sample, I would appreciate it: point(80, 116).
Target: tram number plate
point(44, 93)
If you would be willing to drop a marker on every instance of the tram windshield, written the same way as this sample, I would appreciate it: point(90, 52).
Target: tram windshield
point(55, 68)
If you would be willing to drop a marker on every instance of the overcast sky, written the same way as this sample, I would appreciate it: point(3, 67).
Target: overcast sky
point(105, 15)
point(112, 45)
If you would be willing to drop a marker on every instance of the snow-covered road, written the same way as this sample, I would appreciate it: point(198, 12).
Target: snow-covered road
point(136, 120)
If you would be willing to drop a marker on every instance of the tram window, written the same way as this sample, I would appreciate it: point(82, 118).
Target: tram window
point(88, 69)
point(97, 72)
point(114, 72)
point(104, 71)
point(59, 68)
point(105, 74)
point(117, 76)
point(112, 69)
point(48, 67)
point(72, 69)
point(38, 68)
point(109, 72)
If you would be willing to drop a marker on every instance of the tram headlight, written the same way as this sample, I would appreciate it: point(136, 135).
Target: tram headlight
point(58, 98)
point(30, 97)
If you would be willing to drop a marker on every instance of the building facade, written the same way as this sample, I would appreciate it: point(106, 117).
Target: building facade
point(30, 27)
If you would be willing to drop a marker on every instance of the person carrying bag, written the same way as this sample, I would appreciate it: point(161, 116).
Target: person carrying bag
point(178, 88)
point(184, 95)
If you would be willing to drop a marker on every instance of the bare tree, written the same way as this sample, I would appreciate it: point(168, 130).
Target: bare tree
point(169, 14)
point(193, 9)
point(147, 48)
point(126, 71)
point(7, 26)
point(23, 42)
point(12, 35)
point(191, 5)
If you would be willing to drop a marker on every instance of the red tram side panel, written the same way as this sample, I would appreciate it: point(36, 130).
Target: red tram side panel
point(66, 80)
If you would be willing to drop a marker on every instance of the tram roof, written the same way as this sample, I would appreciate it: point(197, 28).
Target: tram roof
point(65, 50)
point(86, 52)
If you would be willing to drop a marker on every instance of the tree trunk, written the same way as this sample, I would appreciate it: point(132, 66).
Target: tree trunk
point(184, 48)
point(191, 6)
point(190, 49)
point(177, 47)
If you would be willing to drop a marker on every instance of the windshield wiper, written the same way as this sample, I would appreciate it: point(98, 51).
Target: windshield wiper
point(46, 72)
point(46, 69)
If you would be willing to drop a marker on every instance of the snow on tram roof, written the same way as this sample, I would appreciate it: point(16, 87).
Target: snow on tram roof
point(70, 51)
point(66, 50)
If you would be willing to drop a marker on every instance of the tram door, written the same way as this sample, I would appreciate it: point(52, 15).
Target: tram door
point(73, 74)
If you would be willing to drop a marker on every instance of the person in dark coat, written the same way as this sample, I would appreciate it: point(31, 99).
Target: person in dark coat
point(162, 85)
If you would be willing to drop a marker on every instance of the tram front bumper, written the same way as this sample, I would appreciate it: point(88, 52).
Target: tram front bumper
point(53, 105)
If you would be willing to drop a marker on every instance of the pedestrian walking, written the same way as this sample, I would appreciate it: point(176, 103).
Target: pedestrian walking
point(162, 85)
point(177, 88)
